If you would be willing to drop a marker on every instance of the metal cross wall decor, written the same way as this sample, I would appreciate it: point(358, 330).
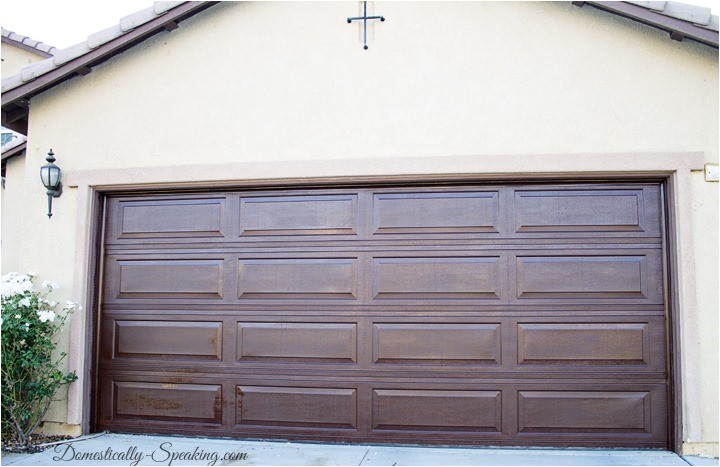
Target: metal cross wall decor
point(365, 19)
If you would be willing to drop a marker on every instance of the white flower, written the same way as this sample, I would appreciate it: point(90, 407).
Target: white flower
point(22, 342)
point(27, 326)
point(25, 302)
point(73, 305)
point(16, 284)
point(17, 316)
point(46, 315)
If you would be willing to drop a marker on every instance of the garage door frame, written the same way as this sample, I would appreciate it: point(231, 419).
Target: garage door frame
point(96, 200)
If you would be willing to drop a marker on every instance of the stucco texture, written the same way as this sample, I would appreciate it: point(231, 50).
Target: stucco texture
point(15, 59)
point(266, 82)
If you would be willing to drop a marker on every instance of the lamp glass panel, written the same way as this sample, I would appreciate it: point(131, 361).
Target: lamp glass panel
point(54, 176)
point(45, 176)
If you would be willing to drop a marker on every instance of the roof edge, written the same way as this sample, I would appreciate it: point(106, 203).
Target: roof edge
point(18, 150)
point(28, 44)
point(678, 29)
point(83, 63)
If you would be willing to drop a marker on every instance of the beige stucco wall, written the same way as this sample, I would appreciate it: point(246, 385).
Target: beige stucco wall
point(15, 59)
point(11, 207)
point(444, 88)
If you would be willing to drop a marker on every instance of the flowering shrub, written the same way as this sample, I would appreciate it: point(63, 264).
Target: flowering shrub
point(30, 376)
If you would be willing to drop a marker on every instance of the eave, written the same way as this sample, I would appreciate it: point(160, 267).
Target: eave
point(678, 29)
point(16, 101)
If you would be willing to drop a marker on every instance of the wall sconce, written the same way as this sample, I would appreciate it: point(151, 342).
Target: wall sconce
point(50, 176)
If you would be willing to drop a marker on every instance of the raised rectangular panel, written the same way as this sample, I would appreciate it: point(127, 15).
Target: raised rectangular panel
point(436, 278)
point(449, 212)
point(435, 410)
point(170, 278)
point(299, 215)
point(176, 218)
point(297, 341)
point(580, 411)
point(296, 406)
point(168, 340)
point(590, 343)
point(581, 277)
point(327, 278)
point(579, 211)
point(435, 342)
point(168, 401)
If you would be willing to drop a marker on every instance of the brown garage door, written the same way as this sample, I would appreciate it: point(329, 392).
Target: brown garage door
point(500, 315)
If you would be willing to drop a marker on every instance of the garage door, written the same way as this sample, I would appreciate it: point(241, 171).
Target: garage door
point(498, 315)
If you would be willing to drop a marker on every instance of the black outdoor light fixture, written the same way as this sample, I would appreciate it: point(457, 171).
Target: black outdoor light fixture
point(50, 176)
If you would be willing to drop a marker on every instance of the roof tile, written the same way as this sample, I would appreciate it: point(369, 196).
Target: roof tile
point(30, 42)
point(26, 41)
point(134, 20)
point(658, 6)
point(163, 7)
point(692, 13)
point(46, 48)
point(11, 82)
point(31, 72)
point(70, 53)
point(713, 25)
point(106, 35)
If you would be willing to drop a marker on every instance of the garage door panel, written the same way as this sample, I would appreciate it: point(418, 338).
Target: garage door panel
point(584, 411)
point(588, 212)
point(437, 278)
point(297, 278)
point(175, 218)
point(437, 410)
point(195, 403)
point(297, 342)
point(296, 406)
point(579, 210)
point(167, 279)
point(299, 215)
point(584, 278)
point(168, 340)
point(437, 213)
point(427, 343)
point(172, 218)
point(586, 343)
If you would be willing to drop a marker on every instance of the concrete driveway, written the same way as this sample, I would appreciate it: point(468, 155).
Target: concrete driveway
point(119, 449)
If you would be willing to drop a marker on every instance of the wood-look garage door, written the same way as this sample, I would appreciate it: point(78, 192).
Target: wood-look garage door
point(500, 315)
